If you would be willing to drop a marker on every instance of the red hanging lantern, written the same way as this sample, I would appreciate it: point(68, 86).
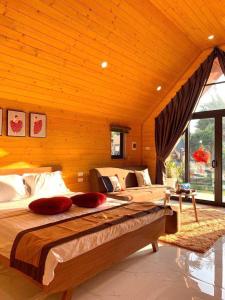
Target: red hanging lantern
point(201, 155)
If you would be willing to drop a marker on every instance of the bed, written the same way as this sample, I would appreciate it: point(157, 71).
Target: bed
point(70, 263)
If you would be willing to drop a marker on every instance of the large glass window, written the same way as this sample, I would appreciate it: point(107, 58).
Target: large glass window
point(223, 160)
point(175, 163)
point(202, 154)
point(216, 74)
point(212, 97)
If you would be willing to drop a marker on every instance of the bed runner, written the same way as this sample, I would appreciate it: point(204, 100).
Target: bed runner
point(31, 246)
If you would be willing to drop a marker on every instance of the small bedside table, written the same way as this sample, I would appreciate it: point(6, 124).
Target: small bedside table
point(182, 196)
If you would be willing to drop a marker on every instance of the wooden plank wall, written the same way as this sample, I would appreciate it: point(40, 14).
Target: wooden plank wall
point(50, 55)
point(75, 142)
point(148, 129)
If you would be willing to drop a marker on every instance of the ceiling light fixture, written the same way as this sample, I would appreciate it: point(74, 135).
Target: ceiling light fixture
point(211, 37)
point(158, 88)
point(104, 64)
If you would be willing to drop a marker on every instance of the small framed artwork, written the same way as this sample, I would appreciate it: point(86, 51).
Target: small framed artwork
point(38, 125)
point(1, 116)
point(16, 123)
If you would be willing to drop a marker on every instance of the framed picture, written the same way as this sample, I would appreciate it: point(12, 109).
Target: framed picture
point(1, 116)
point(38, 125)
point(16, 123)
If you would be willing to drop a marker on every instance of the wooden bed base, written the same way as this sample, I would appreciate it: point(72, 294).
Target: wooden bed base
point(70, 274)
point(76, 271)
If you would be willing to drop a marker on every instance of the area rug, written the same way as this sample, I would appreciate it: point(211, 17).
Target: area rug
point(200, 236)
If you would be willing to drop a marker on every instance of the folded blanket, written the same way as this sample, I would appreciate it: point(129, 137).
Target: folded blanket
point(31, 246)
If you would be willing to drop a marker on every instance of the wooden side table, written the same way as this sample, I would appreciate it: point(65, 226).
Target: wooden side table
point(181, 196)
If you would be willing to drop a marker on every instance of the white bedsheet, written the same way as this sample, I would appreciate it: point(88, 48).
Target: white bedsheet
point(12, 223)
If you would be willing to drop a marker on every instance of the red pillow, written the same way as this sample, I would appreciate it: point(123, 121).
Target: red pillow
point(50, 206)
point(90, 200)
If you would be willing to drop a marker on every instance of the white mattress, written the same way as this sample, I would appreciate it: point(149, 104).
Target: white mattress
point(12, 222)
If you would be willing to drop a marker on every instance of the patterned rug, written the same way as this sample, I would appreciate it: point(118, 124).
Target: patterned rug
point(200, 236)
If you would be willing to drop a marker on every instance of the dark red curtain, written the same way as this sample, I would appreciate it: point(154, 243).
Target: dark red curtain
point(171, 122)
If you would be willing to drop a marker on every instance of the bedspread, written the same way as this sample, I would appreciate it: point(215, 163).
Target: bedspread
point(80, 237)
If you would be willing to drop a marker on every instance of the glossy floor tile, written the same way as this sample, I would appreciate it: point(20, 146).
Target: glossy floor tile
point(171, 273)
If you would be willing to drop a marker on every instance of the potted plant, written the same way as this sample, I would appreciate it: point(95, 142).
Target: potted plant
point(171, 174)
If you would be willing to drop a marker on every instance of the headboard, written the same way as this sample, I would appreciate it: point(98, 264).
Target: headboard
point(25, 170)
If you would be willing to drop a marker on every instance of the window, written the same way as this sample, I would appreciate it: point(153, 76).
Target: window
point(199, 158)
point(216, 74)
point(117, 144)
point(175, 163)
point(212, 97)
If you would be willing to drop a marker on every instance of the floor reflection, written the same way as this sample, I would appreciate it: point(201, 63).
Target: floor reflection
point(171, 274)
point(207, 270)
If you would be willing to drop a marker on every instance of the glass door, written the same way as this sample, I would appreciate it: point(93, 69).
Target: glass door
point(202, 161)
point(223, 160)
point(201, 158)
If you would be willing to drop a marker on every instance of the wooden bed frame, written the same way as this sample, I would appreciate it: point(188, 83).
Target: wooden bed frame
point(76, 271)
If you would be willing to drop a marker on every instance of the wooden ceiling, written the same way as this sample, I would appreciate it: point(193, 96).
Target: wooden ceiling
point(51, 51)
point(197, 19)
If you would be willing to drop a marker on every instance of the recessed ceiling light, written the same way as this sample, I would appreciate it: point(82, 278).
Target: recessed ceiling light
point(104, 64)
point(158, 88)
point(211, 37)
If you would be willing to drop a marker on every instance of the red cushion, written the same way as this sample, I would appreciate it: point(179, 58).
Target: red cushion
point(89, 199)
point(50, 206)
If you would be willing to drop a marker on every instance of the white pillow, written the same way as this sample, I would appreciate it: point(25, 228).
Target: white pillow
point(115, 183)
point(143, 178)
point(46, 184)
point(12, 188)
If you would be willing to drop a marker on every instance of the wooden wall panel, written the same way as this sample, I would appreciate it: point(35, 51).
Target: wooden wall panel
point(50, 56)
point(75, 143)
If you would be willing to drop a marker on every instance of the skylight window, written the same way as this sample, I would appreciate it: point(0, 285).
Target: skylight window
point(213, 94)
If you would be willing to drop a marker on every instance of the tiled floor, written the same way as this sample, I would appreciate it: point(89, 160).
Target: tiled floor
point(170, 274)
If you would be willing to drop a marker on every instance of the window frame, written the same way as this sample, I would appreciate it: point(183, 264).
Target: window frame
point(217, 115)
point(121, 155)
